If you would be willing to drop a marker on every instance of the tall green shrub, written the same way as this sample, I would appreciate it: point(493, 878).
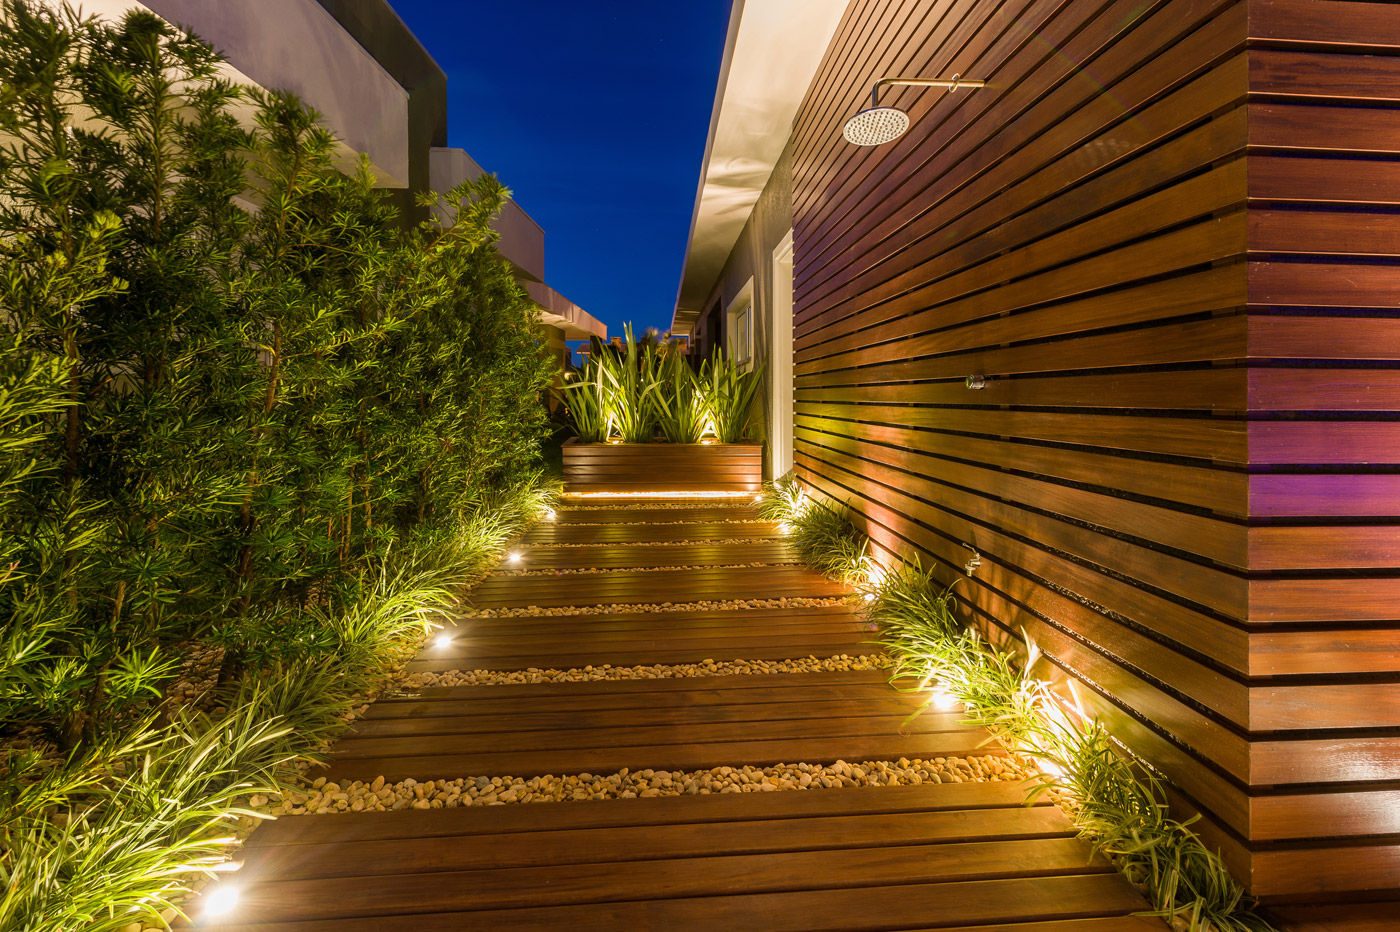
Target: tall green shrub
point(231, 381)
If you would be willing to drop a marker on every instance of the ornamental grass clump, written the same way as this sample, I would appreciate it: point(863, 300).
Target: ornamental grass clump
point(630, 393)
point(1118, 803)
point(730, 391)
point(681, 408)
point(821, 530)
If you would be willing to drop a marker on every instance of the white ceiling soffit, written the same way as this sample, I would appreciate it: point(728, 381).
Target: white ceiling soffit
point(773, 50)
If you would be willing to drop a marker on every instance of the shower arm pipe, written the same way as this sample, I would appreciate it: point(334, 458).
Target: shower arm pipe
point(952, 84)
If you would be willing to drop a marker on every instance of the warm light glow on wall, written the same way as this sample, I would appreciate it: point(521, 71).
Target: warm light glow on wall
point(672, 494)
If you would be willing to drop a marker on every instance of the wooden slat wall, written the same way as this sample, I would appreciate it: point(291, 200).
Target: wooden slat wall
point(1145, 232)
point(663, 467)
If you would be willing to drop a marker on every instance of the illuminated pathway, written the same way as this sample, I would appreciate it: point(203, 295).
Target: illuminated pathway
point(749, 681)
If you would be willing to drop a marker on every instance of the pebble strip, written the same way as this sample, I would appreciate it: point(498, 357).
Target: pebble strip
point(530, 611)
point(660, 506)
point(747, 520)
point(605, 671)
point(595, 570)
point(549, 545)
point(328, 797)
point(647, 496)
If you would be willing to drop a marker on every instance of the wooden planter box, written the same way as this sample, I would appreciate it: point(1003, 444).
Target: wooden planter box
point(663, 467)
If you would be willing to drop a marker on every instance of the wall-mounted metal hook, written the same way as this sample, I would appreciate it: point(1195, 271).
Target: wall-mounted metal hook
point(976, 382)
point(973, 562)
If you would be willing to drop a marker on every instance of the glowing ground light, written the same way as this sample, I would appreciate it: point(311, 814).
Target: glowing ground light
point(785, 527)
point(442, 641)
point(675, 493)
point(870, 597)
point(550, 514)
point(942, 700)
point(515, 556)
point(220, 901)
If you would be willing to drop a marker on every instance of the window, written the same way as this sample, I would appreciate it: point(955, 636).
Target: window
point(738, 327)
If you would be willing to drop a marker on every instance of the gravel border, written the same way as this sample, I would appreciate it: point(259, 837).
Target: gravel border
point(663, 523)
point(561, 611)
point(596, 570)
point(657, 671)
point(545, 545)
point(659, 506)
point(324, 797)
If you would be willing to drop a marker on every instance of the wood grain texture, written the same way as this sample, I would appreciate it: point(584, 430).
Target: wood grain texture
point(629, 467)
point(875, 857)
point(1170, 250)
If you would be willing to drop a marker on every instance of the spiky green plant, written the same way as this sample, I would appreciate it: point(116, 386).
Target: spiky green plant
point(821, 529)
point(631, 377)
point(589, 401)
point(139, 822)
point(729, 392)
point(679, 400)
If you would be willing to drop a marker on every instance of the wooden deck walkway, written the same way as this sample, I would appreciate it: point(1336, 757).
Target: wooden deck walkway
point(954, 856)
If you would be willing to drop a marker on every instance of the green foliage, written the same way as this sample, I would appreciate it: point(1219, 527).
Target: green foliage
point(240, 405)
point(589, 402)
point(213, 417)
point(631, 392)
point(729, 395)
point(822, 530)
point(1115, 801)
point(679, 401)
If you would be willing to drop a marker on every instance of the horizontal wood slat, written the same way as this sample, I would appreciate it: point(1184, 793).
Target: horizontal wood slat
point(861, 856)
point(622, 467)
point(1177, 284)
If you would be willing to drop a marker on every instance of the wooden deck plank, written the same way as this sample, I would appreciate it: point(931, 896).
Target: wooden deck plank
point(427, 765)
point(732, 807)
point(895, 857)
point(643, 533)
point(597, 881)
point(567, 847)
point(658, 586)
point(776, 700)
point(457, 722)
point(650, 514)
point(629, 555)
point(841, 910)
point(358, 744)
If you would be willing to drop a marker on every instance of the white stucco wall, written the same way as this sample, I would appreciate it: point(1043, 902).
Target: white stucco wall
point(522, 239)
point(297, 46)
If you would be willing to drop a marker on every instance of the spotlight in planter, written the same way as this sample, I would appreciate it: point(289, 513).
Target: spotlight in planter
point(942, 700)
point(550, 514)
point(219, 900)
point(442, 641)
point(785, 527)
point(758, 498)
point(877, 125)
point(515, 556)
point(869, 597)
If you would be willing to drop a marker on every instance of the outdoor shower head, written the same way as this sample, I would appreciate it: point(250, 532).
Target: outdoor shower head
point(877, 125)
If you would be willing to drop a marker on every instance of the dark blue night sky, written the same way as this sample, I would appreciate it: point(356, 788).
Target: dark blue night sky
point(595, 114)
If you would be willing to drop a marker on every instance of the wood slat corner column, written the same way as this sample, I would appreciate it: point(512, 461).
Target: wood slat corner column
point(1324, 416)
